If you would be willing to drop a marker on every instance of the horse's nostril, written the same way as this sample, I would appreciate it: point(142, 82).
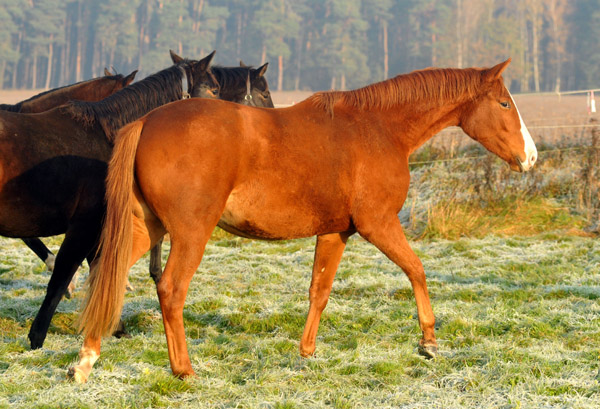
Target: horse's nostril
point(533, 159)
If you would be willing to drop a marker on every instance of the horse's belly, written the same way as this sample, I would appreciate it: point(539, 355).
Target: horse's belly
point(271, 217)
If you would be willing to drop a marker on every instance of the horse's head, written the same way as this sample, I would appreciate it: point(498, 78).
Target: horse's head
point(201, 83)
point(125, 81)
point(492, 118)
point(257, 90)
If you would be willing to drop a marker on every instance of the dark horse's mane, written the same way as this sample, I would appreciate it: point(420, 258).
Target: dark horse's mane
point(231, 77)
point(17, 107)
point(130, 103)
point(11, 107)
point(439, 85)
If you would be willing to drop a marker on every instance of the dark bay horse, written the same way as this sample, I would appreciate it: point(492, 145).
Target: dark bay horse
point(53, 165)
point(245, 85)
point(90, 90)
point(331, 166)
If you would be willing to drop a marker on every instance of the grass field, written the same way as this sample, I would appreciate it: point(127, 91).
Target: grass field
point(518, 322)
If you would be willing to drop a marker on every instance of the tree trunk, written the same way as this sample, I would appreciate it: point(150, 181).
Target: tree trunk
point(34, 70)
point(299, 45)
point(343, 82)
point(386, 55)
point(459, 35)
point(79, 45)
point(65, 52)
point(280, 73)
point(524, 55)
point(16, 63)
point(535, 28)
point(536, 60)
point(263, 57)
point(50, 58)
point(238, 40)
point(2, 71)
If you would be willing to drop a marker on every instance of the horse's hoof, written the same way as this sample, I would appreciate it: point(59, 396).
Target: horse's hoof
point(76, 375)
point(121, 334)
point(50, 261)
point(35, 341)
point(428, 351)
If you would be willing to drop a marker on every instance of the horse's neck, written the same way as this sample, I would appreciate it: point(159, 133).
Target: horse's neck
point(413, 124)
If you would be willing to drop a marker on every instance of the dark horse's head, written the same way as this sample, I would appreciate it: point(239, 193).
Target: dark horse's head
point(198, 81)
point(243, 85)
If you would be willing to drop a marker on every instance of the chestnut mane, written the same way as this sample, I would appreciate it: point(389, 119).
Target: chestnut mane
point(437, 85)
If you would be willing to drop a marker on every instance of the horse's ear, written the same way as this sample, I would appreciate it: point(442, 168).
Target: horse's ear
point(260, 71)
point(175, 58)
point(107, 73)
point(242, 64)
point(492, 74)
point(127, 80)
point(204, 63)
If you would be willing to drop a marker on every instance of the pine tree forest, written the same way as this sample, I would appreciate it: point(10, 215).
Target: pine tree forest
point(309, 44)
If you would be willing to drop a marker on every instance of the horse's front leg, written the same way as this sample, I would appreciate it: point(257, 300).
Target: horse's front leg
point(387, 235)
point(77, 244)
point(328, 253)
point(43, 252)
point(156, 261)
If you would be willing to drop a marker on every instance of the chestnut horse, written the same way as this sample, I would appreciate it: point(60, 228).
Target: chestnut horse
point(331, 166)
point(91, 90)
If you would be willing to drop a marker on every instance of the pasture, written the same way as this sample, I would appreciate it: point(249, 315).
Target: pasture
point(518, 324)
point(517, 308)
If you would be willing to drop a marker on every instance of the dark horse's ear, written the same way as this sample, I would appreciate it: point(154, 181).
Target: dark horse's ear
point(242, 64)
point(175, 58)
point(492, 74)
point(107, 73)
point(260, 71)
point(203, 64)
point(127, 80)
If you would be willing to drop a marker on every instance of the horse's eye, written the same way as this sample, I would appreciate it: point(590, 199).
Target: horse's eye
point(505, 104)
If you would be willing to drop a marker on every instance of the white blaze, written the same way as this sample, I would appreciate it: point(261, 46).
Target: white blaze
point(530, 150)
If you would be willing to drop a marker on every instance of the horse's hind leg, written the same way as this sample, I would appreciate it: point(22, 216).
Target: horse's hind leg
point(144, 233)
point(40, 249)
point(328, 253)
point(389, 237)
point(186, 254)
point(76, 246)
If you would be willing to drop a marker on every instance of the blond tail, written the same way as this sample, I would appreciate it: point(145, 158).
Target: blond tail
point(107, 281)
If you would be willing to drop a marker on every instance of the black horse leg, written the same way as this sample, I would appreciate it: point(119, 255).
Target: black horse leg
point(156, 261)
point(77, 245)
point(41, 251)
